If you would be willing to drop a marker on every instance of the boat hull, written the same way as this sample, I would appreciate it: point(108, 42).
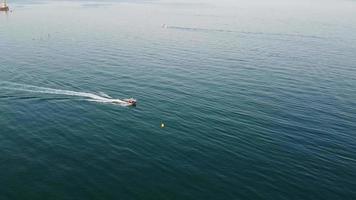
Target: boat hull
point(4, 8)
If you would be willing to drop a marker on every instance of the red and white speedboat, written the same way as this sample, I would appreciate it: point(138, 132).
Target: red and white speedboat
point(3, 6)
point(130, 102)
point(126, 102)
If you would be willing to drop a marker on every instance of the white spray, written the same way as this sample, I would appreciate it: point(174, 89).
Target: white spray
point(101, 97)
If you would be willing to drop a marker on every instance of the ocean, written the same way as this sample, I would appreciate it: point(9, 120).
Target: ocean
point(257, 98)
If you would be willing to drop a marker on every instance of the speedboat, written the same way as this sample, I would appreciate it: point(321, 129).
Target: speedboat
point(3, 6)
point(127, 102)
point(130, 102)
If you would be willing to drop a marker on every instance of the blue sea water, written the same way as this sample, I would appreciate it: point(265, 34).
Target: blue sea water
point(258, 100)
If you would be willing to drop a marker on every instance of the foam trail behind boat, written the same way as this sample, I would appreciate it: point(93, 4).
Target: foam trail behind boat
point(35, 89)
point(104, 95)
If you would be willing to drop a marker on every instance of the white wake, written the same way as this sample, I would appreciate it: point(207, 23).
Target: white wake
point(101, 97)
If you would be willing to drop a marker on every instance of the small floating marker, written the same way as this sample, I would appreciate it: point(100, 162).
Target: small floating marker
point(162, 125)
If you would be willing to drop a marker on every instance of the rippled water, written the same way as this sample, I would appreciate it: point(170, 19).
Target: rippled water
point(258, 100)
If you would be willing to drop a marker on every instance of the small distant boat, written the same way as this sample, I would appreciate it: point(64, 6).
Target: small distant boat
point(4, 6)
point(131, 101)
point(128, 102)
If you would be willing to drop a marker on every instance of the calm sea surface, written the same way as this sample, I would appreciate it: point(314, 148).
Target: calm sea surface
point(258, 100)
